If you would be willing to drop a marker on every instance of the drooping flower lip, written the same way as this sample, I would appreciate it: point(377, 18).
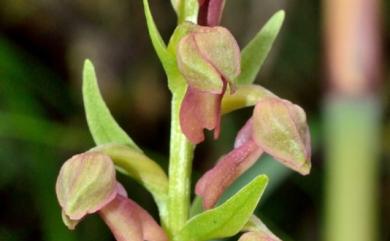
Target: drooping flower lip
point(200, 110)
point(212, 185)
point(85, 184)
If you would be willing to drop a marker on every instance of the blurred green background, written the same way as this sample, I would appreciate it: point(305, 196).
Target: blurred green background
point(43, 44)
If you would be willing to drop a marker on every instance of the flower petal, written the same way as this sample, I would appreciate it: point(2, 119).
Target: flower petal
point(212, 184)
point(280, 128)
point(218, 46)
point(85, 184)
point(200, 110)
point(129, 222)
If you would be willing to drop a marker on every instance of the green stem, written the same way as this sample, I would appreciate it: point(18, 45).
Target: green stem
point(180, 164)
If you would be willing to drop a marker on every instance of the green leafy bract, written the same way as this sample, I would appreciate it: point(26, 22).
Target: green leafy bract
point(102, 125)
point(227, 219)
point(163, 54)
point(254, 54)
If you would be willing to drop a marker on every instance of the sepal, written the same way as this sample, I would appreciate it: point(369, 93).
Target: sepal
point(257, 231)
point(280, 129)
point(212, 184)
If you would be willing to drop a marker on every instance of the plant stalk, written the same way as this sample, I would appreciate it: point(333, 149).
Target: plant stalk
point(180, 164)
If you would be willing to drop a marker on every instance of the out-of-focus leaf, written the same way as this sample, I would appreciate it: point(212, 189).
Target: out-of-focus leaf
point(102, 125)
point(22, 78)
point(254, 54)
point(164, 55)
point(227, 219)
point(29, 128)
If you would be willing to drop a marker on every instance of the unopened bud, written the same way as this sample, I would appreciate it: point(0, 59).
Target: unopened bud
point(207, 56)
point(85, 184)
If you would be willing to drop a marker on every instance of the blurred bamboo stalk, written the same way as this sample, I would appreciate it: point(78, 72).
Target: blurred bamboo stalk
point(352, 113)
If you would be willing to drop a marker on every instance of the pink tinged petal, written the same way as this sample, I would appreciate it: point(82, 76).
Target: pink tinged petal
point(199, 110)
point(130, 222)
point(121, 190)
point(85, 184)
point(280, 128)
point(210, 12)
point(199, 73)
point(245, 134)
point(218, 46)
point(212, 185)
point(121, 216)
point(258, 236)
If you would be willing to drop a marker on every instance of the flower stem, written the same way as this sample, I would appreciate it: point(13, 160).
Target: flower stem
point(180, 164)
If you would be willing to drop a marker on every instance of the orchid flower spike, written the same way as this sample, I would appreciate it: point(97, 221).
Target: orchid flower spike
point(209, 59)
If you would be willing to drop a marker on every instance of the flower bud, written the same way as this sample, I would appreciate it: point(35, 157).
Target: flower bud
point(85, 184)
point(207, 56)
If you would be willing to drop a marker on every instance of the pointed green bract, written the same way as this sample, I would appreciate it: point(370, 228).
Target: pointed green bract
point(254, 54)
point(163, 54)
point(227, 219)
point(102, 125)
